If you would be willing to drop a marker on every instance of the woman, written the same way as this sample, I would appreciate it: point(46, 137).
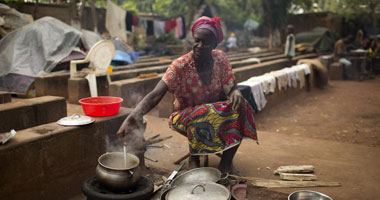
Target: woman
point(202, 81)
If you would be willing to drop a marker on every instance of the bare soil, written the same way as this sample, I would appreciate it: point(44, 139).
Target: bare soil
point(345, 111)
point(336, 129)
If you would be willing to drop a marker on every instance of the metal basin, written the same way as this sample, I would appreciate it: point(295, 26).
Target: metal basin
point(308, 195)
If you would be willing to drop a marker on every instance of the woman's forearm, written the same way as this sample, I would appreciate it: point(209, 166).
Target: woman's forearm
point(150, 100)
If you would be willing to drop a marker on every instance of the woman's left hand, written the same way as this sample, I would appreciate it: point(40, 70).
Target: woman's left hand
point(237, 100)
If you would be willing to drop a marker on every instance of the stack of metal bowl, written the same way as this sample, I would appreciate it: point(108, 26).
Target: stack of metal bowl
point(308, 195)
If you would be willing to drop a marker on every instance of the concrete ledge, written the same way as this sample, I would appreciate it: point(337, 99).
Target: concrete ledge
point(253, 55)
point(78, 88)
point(31, 112)
point(132, 73)
point(54, 84)
point(336, 71)
point(5, 97)
point(54, 165)
point(133, 90)
point(57, 84)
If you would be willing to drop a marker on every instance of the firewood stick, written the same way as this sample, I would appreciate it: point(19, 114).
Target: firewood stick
point(154, 137)
point(157, 140)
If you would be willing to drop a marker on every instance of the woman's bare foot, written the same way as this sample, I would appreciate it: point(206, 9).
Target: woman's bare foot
point(194, 162)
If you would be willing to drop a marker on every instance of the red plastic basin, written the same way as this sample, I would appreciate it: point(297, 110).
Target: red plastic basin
point(101, 106)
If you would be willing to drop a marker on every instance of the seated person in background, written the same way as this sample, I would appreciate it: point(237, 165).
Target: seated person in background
point(232, 42)
point(340, 54)
point(358, 43)
point(372, 57)
point(209, 109)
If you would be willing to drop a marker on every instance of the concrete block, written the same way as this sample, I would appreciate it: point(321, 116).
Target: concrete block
point(55, 164)
point(5, 97)
point(78, 88)
point(133, 90)
point(54, 84)
point(31, 112)
point(336, 71)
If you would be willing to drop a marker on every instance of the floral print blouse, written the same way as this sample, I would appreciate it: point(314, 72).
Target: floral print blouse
point(183, 81)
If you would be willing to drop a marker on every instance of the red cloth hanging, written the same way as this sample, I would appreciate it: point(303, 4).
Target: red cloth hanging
point(170, 25)
point(135, 20)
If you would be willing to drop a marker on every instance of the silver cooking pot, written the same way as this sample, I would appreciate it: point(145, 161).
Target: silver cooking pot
point(209, 191)
point(115, 174)
point(199, 175)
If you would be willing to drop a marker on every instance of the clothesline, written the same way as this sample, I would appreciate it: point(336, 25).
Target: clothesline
point(156, 27)
point(284, 78)
point(119, 22)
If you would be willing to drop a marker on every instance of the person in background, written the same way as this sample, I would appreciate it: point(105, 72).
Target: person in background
point(232, 42)
point(358, 43)
point(372, 57)
point(290, 43)
point(341, 54)
point(209, 109)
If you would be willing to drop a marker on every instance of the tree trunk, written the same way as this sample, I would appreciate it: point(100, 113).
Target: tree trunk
point(35, 10)
point(268, 9)
point(270, 38)
point(94, 18)
point(81, 10)
point(373, 16)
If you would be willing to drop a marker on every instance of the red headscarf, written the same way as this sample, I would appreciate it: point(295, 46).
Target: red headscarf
point(212, 24)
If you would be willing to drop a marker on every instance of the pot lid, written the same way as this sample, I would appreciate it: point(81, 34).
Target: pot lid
point(198, 175)
point(75, 120)
point(209, 191)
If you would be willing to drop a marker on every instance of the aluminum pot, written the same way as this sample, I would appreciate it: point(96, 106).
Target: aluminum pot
point(117, 175)
point(209, 191)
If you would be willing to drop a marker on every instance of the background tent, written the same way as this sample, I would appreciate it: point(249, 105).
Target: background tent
point(322, 39)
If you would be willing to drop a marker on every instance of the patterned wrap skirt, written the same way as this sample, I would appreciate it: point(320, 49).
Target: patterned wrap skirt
point(214, 127)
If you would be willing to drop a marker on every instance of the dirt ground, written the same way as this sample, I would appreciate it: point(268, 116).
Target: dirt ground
point(345, 111)
point(336, 129)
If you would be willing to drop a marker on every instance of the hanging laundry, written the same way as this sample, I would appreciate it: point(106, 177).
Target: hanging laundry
point(170, 25)
point(257, 91)
point(306, 67)
point(268, 82)
point(149, 28)
point(303, 70)
point(292, 76)
point(247, 94)
point(128, 21)
point(135, 20)
point(178, 28)
point(115, 21)
point(183, 28)
point(281, 78)
point(142, 23)
point(159, 28)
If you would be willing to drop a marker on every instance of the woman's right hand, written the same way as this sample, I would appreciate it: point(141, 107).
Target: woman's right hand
point(131, 123)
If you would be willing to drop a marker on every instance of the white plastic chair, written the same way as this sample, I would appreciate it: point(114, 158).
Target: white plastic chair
point(99, 56)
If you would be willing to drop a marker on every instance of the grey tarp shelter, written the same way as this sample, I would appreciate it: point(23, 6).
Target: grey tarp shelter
point(322, 39)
